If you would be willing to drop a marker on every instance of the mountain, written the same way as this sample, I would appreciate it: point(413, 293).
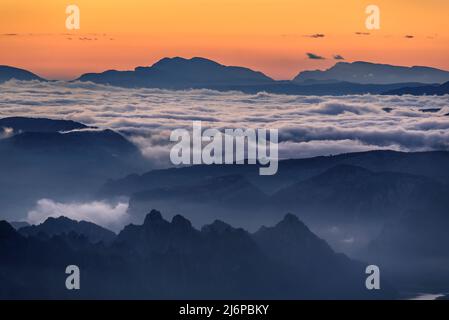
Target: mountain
point(349, 193)
point(319, 88)
point(200, 73)
point(291, 244)
point(18, 224)
point(349, 205)
point(180, 73)
point(34, 267)
point(7, 232)
point(232, 197)
point(46, 163)
point(9, 73)
point(422, 90)
point(346, 199)
point(62, 225)
point(373, 73)
point(163, 259)
point(434, 165)
point(24, 124)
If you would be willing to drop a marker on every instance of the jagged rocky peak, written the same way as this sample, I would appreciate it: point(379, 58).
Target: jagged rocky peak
point(181, 222)
point(152, 217)
point(218, 227)
point(6, 230)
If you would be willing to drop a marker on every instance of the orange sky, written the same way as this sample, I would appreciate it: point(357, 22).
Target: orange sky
point(266, 35)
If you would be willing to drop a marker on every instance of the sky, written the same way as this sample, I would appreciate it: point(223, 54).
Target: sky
point(272, 36)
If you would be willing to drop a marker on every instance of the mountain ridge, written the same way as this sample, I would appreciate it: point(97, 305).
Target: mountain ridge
point(62, 225)
point(373, 73)
point(172, 260)
point(177, 73)
point(8, 73)
point(421, 90)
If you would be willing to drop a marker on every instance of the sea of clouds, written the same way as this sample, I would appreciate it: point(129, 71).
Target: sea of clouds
point(308, 125)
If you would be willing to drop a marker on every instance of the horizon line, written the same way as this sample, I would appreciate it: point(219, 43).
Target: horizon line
point(226, 65)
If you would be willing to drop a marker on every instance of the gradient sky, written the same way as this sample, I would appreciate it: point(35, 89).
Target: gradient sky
point(272, 36)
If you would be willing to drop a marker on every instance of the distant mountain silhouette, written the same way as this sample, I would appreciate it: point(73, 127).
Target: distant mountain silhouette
point(9, 73)
point(433, 164)
point(62, 225)
point(351, 205)
point(346, 192)
point(231, 197)
point(25, 124)
point(346, 198)
point(172, 260)
point(319, 88)
point(45, 163)
point(422, 90)
point(373, 73)
point(180, 73)
point(201, 73)
point(293, 245)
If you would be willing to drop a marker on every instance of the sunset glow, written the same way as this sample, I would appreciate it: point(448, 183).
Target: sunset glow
point(266, 35)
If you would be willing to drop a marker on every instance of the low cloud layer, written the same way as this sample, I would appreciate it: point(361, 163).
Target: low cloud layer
point(308, 125)
point(99, 212)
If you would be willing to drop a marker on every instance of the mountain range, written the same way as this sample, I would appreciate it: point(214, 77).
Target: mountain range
point(8, 73)
point(200, 73)
point(62, 225)
point(172, 260)
point(347, 199)
point(384, 207)
point(422, 90)
point(373, 73)
point(180, 73)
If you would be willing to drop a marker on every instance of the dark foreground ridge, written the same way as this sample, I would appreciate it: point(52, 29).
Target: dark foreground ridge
point(172, 260)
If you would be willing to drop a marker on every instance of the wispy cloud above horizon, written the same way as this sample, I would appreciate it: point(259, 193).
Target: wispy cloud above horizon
point(314, 56)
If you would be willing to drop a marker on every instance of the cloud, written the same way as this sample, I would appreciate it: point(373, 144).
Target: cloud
point(338, 57)
point(406, 139)
point(314, 56)
point(99, 212)
point(309, 125)
point(316, 35)
point(336, 108)
point(6, 132)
